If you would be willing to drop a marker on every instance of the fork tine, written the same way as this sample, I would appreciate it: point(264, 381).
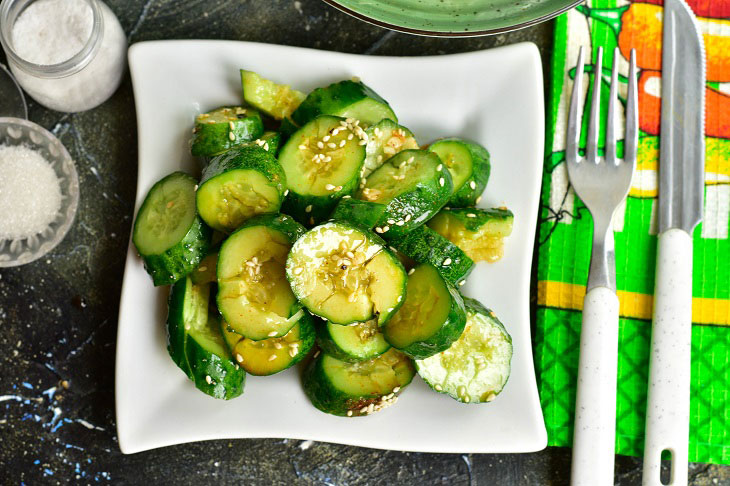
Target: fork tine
point(631, 139)
point(592, 141)
point(571, 147)
point(611, 118)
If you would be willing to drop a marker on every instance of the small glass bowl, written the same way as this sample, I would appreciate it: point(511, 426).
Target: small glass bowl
point(15, 131)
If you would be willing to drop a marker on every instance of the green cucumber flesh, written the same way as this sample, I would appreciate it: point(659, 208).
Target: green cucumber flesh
point(479, 232)
point(345, 274)
point(476, 367)
point(355, 342)
point(364, 213)
point(385, 139)
point(468, 163)
point(357, 389)
point(348, 99)
point(413, 184)
point(432, 317)
point(224, 128)
point(238, 185)
point(167, 232)
point(322, 162)
point(273, 355)
point(276, 100)
point(206, 270)
point(254, 296)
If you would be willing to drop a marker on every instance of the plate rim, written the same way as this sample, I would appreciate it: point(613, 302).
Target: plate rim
point(131, 443)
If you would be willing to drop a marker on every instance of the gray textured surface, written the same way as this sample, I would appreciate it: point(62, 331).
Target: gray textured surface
point(58, 316)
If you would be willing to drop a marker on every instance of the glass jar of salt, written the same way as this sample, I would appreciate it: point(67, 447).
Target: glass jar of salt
point(68, 55)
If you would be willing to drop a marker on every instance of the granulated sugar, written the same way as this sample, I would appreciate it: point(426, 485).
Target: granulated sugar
point(30, 194)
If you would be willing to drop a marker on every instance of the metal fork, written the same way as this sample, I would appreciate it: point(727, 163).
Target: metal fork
point(602, 183)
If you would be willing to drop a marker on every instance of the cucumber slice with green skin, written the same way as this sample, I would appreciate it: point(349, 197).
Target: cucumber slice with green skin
point(224, 128)
point(196, 345)
point(344, 273)
point(322, 161)
point(364, 213)
point(348, 99)
point(254, 296)
point(276, 100)
point(432, 317)
point(256, 356)
point(476, 367)
point(424, 245)
point(238, 185)
point(168, 234)
point(468, 163)
point(413, 184)
point(269, 141)
point(357, 389)
point(385, 139)
point(479, 232)
point(352, 343)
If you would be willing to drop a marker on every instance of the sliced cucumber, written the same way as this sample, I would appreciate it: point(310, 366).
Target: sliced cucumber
point(206, 270)
point(468, 163)
point(432, 317)
point(356, 389)
point(276, 100)
point(254, 296)
point(168, 234)
point(476, 367)
point(356, 342)
point(348, 99)
point(424, 245)
point(385, 139)
point(414, 185)
point(195, 343)
point(479, 232)
point(345, 274)
point(238, 185)
point(364, 213)
point(224, 128)
point(322, 161)
point(272, 355)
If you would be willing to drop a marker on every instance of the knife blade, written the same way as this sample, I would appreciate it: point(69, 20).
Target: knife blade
point(681, 192)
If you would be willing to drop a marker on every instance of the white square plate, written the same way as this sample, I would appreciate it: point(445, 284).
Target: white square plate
point(494, 97)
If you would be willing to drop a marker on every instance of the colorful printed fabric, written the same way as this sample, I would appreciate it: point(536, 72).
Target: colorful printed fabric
point(566, 230)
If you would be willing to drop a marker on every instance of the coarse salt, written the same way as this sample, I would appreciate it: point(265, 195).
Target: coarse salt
point(30, 192)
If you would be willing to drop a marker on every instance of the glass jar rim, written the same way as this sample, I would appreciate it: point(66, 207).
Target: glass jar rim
point(10, 10)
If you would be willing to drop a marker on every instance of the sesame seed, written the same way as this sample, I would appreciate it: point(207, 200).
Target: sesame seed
point(329, 187)
point(371, 407)
point(440, 166)
point(286, 193)
point(478, 199)
point(473, 185)
point(378, 229)
point(349, 120)
point(239, 358)
point(272, 334)
point(326, 138)
point(462, 282)
point(410, 272)
point(331, 145)
point(363, 409)
point(338, 188)
point(411, 159)
point(266, 146)
point(471, 215)
point(208, 379)
point(408, 218)
point(346, 196)
point(342, 143)
point(491, 397)
point(272, 357)
point(441, 182)
point(231, 136)
point(350, 136)
point(391, 221)
point(320, 145)
point(362, 142)
point(316, 353)
point(308, 209)
point(396, 389)
point(277, 345)
point(385, 228)
point(231, 125)
point(466, 399)
point(311, 220)
point(170, 204)
point(447, 261)
point(293, 352)
point(203, 268)
point(350, 254)
point(400, 223)
point(349, 413)
point(437, 387)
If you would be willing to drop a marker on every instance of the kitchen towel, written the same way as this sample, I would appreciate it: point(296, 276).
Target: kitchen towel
point(565, 230)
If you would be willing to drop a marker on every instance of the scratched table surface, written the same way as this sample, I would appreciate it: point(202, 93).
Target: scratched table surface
point(58, 315)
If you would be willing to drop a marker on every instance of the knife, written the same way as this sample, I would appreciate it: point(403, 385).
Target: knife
point(681, 191)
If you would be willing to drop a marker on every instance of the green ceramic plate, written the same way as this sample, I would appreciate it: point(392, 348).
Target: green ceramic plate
point(453, 18)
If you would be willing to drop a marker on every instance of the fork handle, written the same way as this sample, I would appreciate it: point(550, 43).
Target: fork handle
point(667, 409)
point(595, 404)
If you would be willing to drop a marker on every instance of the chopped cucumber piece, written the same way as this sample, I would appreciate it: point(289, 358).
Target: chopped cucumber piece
point(276, 100)
point(196, 345)
point(238, 185)
point(414, 185)
point(322, 161)
point(345, 274)
point(476, 367)
point(385, 139)
point(424, 245)
point(168, 234)
point(254, 296)
point(479, 232)
point(348, 99)
point(364, 213)
point(468, 163)
point(356, 389)
point(432, 317)
point(355, 342)
point(206, 270)
point(224, 128)
point(273, 355)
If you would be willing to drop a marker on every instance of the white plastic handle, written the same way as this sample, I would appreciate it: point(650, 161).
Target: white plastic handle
point(595, 403)
point(667, 408)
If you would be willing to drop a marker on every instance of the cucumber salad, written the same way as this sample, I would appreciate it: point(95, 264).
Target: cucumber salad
point(319, 231)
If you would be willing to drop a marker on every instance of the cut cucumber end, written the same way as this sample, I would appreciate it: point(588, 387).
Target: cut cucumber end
point(469, 166)
point(276, 100)
point(479, 232)
point(224, 128)
point(355, 342)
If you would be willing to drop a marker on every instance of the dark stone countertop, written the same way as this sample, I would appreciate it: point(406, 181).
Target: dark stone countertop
point(58, 315)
